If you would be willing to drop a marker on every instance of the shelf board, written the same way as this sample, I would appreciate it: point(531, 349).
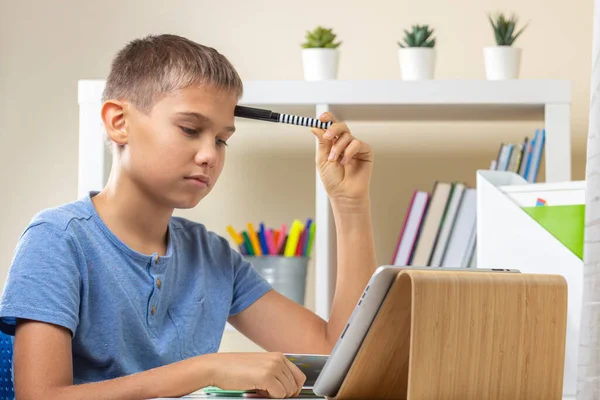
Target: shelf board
point(451, 112)
point(396, 100)
point(433, 100)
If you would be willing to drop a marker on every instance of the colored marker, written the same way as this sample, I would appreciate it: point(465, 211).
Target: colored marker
point(283, 245)
point(300, 245)
point(275, 234)
point(263, 240)
point(248, 243)
point(269, 240)
point(254, 240)
point(234, 235)
point(293, 238)
point(310, 240)
point(307, 238)
point(282, 238)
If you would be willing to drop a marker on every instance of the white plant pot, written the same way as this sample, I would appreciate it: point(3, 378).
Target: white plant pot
point(502, 62)
point(320, 64)
point(416, 63)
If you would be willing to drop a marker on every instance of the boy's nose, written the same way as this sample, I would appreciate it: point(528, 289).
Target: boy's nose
point(206, 153)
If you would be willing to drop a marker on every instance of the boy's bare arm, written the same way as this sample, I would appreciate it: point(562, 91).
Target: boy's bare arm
point(356, 260)
point(43, 370)
point(278, 324)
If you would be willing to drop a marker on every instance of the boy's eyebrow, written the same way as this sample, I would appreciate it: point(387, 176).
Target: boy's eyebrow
point(203, 119)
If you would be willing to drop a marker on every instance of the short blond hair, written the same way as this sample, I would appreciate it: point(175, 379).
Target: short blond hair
point(147, 69)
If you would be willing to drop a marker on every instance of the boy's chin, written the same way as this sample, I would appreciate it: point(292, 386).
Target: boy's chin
point(186, 201)
point(185, 204)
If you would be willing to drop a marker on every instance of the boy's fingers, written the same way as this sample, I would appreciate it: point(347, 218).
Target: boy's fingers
point(288, 377)
point(336, 130)
point(276, 388)
point(299, 376)
point(327, 116)
point(319, 135)
point(324, 146)
point(352, 149)
point(340, 146)
point(327, 138)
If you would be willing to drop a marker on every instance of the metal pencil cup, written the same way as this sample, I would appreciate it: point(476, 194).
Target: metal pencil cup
point(287, 275)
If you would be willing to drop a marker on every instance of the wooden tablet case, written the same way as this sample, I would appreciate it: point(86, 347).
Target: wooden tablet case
point(448, 335)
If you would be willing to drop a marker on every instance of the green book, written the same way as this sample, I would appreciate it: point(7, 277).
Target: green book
point(565, 223)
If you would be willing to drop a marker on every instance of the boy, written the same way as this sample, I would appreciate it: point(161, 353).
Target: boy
point(111, 297)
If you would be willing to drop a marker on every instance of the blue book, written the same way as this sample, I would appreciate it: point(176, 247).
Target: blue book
point(536, 155)
point(530, 155)
point(509, 150)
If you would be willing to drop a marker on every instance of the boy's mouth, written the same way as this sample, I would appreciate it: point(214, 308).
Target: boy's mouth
point(199, 179)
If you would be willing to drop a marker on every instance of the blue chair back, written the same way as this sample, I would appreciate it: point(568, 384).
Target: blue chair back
point(7, 391)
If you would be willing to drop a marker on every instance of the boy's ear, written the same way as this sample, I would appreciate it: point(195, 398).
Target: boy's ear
point(113, 116)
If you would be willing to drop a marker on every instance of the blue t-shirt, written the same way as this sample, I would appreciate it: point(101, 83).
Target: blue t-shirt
point(127, 311)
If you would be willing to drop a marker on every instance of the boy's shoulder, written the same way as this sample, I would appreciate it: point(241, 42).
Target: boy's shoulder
point(63, 215)
point(196, 231)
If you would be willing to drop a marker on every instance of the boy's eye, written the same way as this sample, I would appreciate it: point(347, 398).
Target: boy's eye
point(195, 132)
point(189, 131)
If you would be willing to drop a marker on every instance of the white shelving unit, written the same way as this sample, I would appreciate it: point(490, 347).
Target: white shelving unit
point(435, 100)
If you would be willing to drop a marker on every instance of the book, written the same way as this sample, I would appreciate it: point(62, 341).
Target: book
point(410, 229)
point(473, 260)
point(461, 242)
point(536, 155)
point(507, 155)
point(496, 162)
point(522, 158)
point(514, 158)
point(525, 156)
point(454, 203)
point(431, 225)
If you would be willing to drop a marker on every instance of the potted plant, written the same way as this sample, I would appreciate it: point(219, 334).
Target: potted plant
point(320, 55)
point(503, 61)
point(417, 54)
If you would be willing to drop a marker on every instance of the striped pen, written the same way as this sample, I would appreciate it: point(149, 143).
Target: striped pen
point(270, 116)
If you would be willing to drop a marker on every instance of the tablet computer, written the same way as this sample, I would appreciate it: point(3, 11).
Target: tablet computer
point(340, 360)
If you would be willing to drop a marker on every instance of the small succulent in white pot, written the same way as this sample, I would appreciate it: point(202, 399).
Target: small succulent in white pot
point(503, 61)
point(417, 54)
point(320, 54)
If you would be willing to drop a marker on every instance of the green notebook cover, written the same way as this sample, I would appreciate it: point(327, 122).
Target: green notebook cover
point(222, 392)
point(215, 391)
point(565, 223)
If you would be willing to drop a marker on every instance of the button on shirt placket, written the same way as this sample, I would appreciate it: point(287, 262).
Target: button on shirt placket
point(155, 297)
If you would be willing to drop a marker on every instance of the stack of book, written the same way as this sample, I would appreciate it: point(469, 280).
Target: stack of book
point(522, 158)
point(440, 227)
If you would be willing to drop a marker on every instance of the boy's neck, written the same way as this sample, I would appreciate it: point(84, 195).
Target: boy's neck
point(135, 220)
